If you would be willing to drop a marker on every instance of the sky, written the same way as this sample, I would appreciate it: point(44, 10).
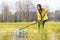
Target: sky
point(11, 4)
point(52, 4)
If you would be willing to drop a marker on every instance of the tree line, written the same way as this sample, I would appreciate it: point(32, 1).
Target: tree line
point(25, 12)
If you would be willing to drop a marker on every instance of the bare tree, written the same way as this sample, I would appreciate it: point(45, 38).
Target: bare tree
point(57, 15)
point(6, 13)
point(19, 13)
point(0, 17)
point(24, 9)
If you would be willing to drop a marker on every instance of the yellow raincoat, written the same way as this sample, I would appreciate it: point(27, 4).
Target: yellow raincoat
point(44, 14)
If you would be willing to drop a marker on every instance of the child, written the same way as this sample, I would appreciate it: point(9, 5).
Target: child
point(41, 15)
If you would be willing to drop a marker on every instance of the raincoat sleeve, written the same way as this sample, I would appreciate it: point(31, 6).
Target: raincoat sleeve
point(45, 10)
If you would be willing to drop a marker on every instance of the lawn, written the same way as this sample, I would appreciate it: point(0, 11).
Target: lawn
point(51, 30)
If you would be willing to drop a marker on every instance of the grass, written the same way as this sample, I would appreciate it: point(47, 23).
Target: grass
point(7, 30)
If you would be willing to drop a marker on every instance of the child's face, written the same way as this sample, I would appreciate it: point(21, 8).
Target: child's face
point(38, 7)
